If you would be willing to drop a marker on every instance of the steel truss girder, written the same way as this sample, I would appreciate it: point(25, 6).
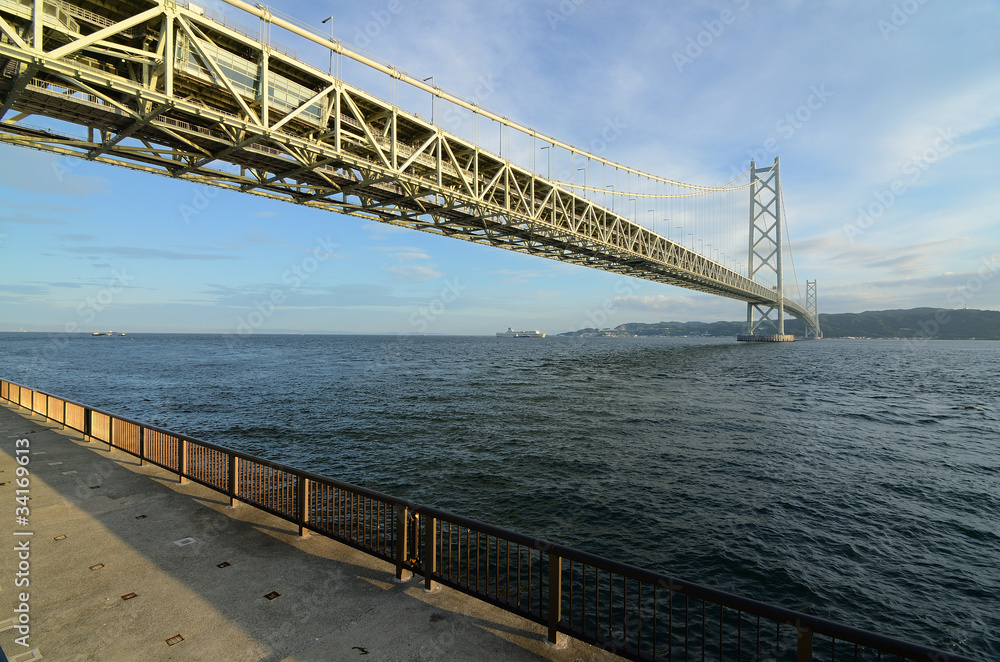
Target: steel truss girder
point(368, 159)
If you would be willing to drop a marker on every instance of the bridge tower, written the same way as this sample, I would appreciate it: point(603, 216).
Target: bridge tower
point(812, 305)
point(765, 251)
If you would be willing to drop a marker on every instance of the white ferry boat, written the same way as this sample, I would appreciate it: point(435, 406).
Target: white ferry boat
point(511, 333)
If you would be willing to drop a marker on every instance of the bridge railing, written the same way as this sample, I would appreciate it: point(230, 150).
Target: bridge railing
point(635, 613)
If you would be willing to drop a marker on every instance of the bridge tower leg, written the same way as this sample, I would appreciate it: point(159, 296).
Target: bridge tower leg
point(812, 305)
point(765, 250)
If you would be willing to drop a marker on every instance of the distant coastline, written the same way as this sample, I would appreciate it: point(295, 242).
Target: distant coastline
point(915, 323)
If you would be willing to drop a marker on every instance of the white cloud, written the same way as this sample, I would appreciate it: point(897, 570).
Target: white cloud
point(414, 272)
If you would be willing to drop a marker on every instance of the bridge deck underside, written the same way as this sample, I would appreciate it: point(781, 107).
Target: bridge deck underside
point(335, 148)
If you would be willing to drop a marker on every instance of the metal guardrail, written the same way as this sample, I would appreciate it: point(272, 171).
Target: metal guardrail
point(634, 613)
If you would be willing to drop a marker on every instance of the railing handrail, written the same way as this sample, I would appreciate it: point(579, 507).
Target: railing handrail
point(813, 624)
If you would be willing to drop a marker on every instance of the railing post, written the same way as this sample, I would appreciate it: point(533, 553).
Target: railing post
point(111, 434)
point(303, 506)
point(555, 596)
point(182, 460)
point(402, 574)
point(234, 480)
point(430, 553)
point(64, 415)
point(87, 429)
point(805, 647)
point(142, 446)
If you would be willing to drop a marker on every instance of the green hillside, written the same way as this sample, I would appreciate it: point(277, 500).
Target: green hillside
point(914, 323)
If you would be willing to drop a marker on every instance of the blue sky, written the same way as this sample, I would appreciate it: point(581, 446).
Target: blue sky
point(885, 116)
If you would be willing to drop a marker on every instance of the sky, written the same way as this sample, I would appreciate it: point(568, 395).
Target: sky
point(886, 117)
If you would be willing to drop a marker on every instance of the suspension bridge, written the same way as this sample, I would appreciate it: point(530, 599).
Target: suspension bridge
point(172, 88)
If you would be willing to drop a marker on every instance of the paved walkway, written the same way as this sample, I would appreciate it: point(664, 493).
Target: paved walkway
point(104, 528)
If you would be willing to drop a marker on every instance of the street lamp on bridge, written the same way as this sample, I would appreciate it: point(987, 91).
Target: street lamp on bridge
point(329, 19)
point(431, 79)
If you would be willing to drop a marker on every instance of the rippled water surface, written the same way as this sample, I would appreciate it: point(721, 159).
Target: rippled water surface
point(856, 480)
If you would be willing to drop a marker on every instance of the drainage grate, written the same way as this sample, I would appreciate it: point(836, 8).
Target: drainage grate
point(61, 536)
point(224, 564)
point(97, 567)
point(272, 595)
point(94, 487)
point(141, 516)
point(176, 639)
point(185, 541)
point(129, 596)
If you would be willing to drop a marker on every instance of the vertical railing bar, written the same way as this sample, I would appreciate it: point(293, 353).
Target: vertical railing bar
point(611, 607)
point(430, 546)
point(181, 460)
point(477, 560)
point(506, 565)
point(518, 575)
point(720, 631)
point(687, 624)
point(401, 551)
point(572, 596)
point(303, 509)
point(597, 603)
point(531, 582)
point(338, 518)
point(555, 595)
point(739, 634)
point(624, 610)
point(655, 621)
point(704, 629)
point(487, 564)
point(758, 636)
point(804, 645)
point(777, 640)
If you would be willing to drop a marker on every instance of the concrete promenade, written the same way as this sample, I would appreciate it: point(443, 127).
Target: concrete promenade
point(104, 529)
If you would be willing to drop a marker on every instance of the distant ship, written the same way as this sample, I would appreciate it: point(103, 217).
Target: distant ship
point(511, 333)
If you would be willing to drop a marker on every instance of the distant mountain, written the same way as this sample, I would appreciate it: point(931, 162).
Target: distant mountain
point(917, 323)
